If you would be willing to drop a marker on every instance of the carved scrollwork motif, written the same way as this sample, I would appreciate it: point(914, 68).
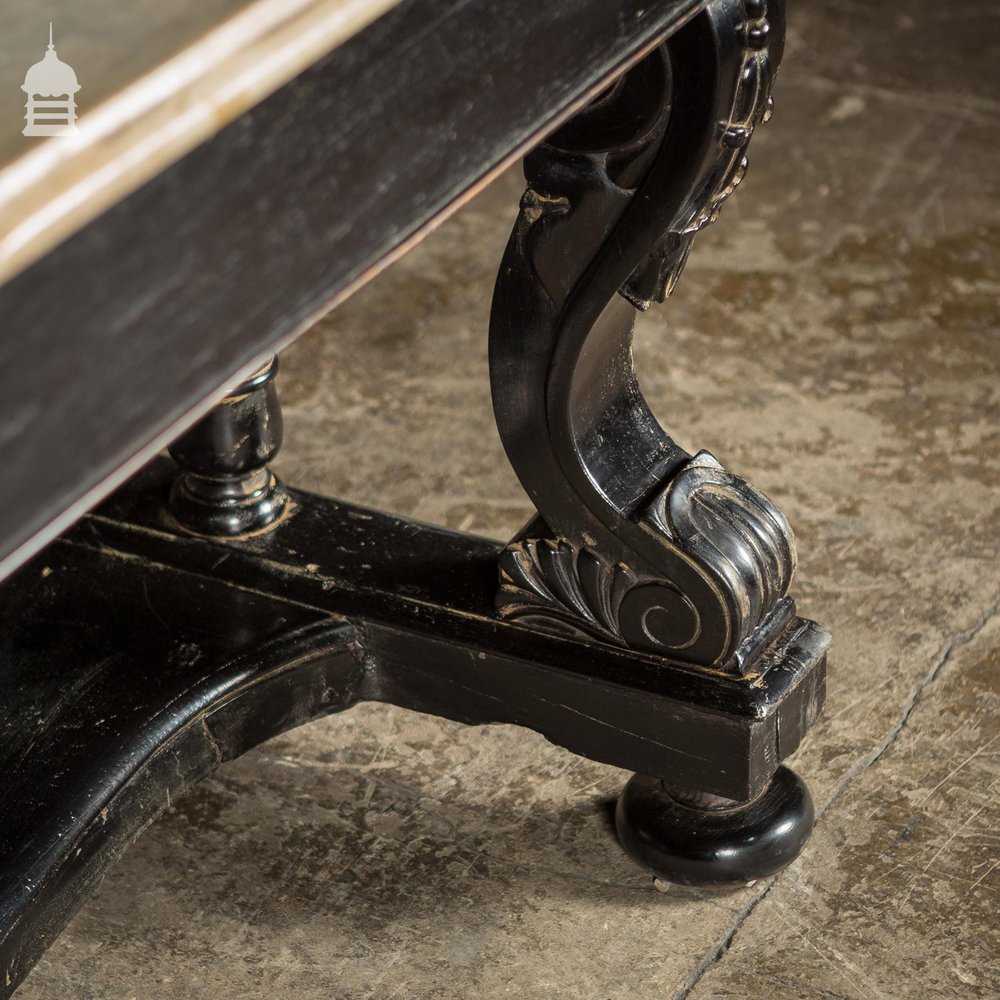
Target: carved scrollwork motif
point(729, 525)
point(549, 582)
point(638, 543)
point(751, 106)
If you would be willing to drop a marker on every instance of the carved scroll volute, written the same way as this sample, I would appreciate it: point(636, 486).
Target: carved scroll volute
point(637, 542)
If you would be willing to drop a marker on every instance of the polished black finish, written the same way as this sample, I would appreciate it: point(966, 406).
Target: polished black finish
point(425, 596)
point(136, 326)
point(705, 840)
point(641, 618)
point(226, 487)
point(638, 542)
point(137, 656)
point(123, 682)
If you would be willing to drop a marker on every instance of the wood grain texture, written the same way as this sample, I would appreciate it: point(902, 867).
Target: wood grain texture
point(156, 80)
point(122, 337)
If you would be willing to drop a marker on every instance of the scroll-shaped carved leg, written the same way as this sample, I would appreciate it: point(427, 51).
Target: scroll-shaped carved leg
point(637, 542)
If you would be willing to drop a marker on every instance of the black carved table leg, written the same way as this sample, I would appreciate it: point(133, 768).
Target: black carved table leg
point(639, 544)
point(642, 618)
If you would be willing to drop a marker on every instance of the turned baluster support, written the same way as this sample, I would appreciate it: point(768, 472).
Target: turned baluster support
point(225, 487)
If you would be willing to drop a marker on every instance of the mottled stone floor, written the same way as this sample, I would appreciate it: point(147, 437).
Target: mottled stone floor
point(835, 339)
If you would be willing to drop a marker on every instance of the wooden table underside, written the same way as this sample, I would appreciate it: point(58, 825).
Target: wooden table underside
point(134, 326)
point(641, 619)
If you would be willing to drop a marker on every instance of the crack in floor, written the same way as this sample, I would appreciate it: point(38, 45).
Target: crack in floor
point(951, 644)
point(714, 954)
point(717, 951)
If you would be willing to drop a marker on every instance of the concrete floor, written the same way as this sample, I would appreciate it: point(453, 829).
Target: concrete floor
point(835, 340)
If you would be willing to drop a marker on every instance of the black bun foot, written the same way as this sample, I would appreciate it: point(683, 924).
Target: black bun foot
point(703, 840)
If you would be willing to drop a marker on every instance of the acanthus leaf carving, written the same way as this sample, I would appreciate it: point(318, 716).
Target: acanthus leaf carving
point(574, 589)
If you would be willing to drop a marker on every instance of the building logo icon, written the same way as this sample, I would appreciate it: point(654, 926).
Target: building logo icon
point(50, 78)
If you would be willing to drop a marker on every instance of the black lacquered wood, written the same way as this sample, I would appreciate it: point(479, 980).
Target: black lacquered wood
point(641, 619)
point(132, 329)
point(121, 683)
point(224, 486)
point(696, 839)
point(425, 596)
point(136, 657)
point(637, 542)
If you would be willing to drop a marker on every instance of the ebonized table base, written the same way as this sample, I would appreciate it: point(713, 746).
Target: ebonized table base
point(642, 618)
point(138, 657)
